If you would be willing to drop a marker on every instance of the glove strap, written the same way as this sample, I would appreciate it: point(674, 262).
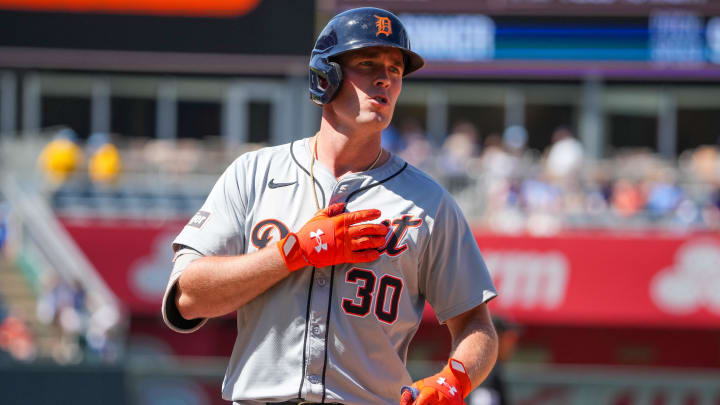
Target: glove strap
point(457, 368)
point(289, 248)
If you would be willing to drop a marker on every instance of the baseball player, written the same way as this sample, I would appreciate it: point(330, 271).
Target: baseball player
point(328, 247)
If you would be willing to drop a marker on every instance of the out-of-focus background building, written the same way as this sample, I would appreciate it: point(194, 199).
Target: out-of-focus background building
point(581, 138)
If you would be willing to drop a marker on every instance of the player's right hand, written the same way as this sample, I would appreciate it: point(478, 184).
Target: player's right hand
point(333, 237)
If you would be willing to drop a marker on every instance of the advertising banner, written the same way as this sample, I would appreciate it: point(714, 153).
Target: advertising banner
point(647, 279)
point(224, 27)
point(134, 258)
point(539, 7)
point(579, 278)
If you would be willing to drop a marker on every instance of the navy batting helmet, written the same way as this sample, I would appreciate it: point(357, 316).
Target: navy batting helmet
point(355, 29)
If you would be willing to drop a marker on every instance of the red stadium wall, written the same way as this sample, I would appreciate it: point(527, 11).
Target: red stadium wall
point(583, 297)
point(607, 279)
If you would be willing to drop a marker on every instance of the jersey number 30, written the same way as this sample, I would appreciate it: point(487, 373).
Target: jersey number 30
point(367, 295)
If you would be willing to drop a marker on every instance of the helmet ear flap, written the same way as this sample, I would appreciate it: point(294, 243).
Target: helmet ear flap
point(325, 80)
point(336, 76)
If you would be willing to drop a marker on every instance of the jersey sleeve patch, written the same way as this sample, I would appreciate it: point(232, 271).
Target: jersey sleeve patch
point(199, 219)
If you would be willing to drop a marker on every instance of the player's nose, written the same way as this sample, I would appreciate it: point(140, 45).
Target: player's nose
point(383, 78)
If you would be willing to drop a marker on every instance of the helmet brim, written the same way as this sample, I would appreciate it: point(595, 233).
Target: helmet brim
point(412, 60)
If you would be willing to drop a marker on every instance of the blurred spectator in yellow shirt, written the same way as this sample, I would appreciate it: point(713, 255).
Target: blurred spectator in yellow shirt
point(61, 157)
point(105, 162)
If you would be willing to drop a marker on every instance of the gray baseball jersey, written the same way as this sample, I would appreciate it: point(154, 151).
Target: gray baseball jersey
point(340, 333)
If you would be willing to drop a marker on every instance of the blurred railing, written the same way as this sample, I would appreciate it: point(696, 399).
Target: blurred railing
point(45, 250)
point(50, 242)
point(157, 380)
point(554, 384)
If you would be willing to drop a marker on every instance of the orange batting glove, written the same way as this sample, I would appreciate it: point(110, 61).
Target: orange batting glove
point(331, 237)
point(448, 387)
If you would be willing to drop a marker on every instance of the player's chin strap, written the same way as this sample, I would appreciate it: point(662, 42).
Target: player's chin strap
point(313, 157)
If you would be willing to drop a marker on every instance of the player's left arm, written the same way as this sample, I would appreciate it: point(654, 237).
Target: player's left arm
point(474, 342)
point(453, 275)
point(473, 356)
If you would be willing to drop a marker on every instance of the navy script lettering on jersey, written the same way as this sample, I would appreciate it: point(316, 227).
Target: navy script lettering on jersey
point(400, 227)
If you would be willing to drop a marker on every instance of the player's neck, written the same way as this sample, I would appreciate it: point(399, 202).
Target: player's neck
point(348, 151)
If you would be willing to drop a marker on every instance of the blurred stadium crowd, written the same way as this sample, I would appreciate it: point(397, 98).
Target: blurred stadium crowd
point(506, 187)
point(59, 324)
point(501, 184)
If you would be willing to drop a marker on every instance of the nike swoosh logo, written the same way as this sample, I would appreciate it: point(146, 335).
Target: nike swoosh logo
point(272, 184)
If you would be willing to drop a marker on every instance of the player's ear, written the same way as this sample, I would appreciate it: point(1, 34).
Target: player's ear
point(323, 83)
